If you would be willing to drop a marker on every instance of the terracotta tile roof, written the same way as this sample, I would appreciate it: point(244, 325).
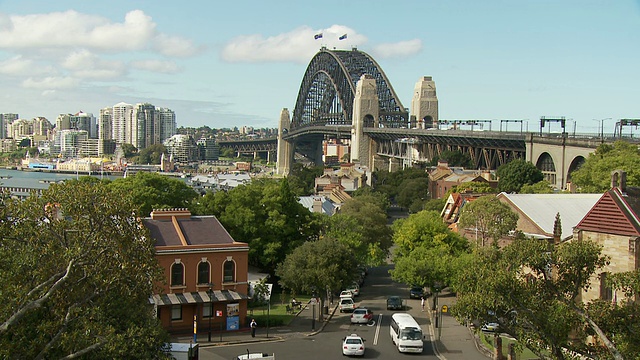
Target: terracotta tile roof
point(614, 213)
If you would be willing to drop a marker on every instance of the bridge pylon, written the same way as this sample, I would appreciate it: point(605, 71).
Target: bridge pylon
point(285, 148)
point(424, 105)
point(366, 111)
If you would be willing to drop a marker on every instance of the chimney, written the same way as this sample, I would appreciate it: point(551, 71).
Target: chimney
point(619, 180)
point(317, 205)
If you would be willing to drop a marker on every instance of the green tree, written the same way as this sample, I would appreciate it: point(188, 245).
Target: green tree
point(77, 272)
point(302, 179)
point(413, 193)
point(489, 218)
point(514, 174)
point(594, 176)
point(453, 158)
point(541, 187)
point(425, 249)
point(129, 150)
point(154, 191)
point(532, 289)
point(152, 154)
point(266, 214)
point(325, 265)
point(362, 225)
point(369, 194)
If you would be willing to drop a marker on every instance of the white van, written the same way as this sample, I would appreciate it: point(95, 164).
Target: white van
point(406, 333)
point(347, 304)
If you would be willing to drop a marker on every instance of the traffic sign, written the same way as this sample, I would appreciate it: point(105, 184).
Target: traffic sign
point(445, 308)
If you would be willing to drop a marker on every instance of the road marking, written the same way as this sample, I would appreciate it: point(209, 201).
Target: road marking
point(375, 337)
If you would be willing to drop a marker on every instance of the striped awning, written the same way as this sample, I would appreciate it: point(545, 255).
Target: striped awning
point(196, 297)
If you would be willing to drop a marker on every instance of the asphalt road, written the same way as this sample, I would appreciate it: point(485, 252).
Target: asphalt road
point(327, 344)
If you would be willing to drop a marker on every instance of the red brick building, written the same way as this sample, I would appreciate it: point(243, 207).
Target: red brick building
point(205, 272)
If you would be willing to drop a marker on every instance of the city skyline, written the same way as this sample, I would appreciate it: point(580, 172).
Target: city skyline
point(238, 64)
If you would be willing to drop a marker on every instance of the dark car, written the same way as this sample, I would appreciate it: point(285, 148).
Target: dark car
point(394, 303)
point(416, 292)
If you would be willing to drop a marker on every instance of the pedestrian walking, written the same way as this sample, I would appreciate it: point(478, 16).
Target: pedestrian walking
point(253, 325)
point(422, 302)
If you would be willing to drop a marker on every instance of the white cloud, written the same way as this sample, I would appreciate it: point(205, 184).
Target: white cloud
point(86, 65)
point(20, 66)
point(399, 49)
point(297, 45)
point(72, 30)
point(51, 82)
point(167, 67)
point(175, 46)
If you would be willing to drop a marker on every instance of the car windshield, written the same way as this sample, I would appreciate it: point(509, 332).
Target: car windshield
point(347, 301)
point(411, 334)
point(359, 312)
point(416, 289)
point(354, 341)
point(394, 300)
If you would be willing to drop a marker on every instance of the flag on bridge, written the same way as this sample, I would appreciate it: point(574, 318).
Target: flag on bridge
point(317, 36)
point(342, 37)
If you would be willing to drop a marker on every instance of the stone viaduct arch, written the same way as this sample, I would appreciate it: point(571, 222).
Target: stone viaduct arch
point(558, 157)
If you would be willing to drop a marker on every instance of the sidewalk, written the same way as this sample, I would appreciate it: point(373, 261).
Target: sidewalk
point(300, 325)
point(452, 340)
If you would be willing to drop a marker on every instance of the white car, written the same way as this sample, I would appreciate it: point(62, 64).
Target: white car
point(355, 289)
point(353, 345)
point(361, 316)
point(490, 327)
point(346, 294)
point(347, 304)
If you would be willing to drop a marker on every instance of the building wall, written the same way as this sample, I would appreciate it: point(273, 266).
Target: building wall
point(624, 257)
point(190, 260)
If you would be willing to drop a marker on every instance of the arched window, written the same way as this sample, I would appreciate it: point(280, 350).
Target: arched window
point(229, 271)
point(177, 274)
point(203, 272)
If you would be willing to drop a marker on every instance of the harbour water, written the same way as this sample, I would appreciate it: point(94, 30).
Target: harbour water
point(39, 179)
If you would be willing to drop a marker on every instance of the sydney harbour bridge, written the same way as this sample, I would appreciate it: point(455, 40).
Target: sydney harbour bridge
point(345, 94)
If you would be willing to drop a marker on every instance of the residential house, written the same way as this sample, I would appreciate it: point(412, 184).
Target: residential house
point(318, 204)
point(443, 178)
point(614, 223)
point(205, 271)
point(537, 212)
point(349, 176)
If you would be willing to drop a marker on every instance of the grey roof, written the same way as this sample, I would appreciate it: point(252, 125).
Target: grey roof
point(328, 207)
point(542, 209)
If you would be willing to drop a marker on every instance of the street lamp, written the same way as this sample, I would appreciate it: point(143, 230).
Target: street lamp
point(210, 293)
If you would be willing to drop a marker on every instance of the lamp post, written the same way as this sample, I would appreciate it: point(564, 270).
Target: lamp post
point(210, 293)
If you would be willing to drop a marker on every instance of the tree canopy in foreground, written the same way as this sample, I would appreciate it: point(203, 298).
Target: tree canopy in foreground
point(532, 289)
point(77, 271)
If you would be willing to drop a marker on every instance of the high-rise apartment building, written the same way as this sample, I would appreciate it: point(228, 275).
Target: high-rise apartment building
point(105, 123)
point(4, 120)
point(145, 129)
point(167, 123)
point(121, 122)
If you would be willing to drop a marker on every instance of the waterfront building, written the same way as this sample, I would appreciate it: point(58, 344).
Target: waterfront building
point(209, 149)
point(20, 129)
point(182, 148)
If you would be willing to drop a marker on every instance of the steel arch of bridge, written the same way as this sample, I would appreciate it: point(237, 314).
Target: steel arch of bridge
point(329, 87)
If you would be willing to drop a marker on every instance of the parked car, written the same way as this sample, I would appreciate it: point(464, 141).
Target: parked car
point(346, 294)
point(361, 316)
point(353, 345)
point(347, 304)
point(416, 292)
point(490, 327)
point(354, 288)
point(394, 303)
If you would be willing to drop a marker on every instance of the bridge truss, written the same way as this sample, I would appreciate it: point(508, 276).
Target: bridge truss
point(487, 150)
point(329, 87)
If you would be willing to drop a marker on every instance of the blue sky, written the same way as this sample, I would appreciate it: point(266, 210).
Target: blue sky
point(234, 63)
